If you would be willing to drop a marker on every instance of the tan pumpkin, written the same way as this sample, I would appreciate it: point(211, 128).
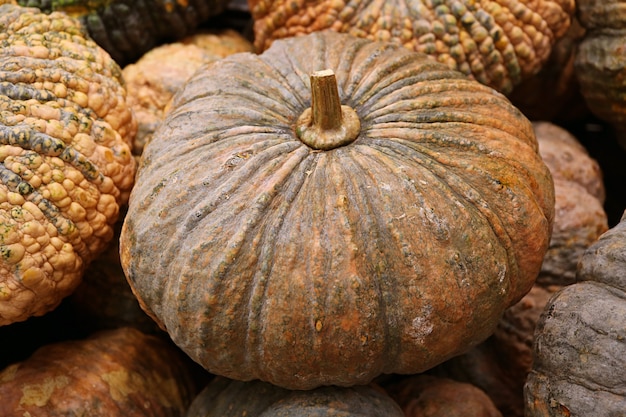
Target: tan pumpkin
point(499, 43)
point(158, 74)
point(276, 239)
point(120, 372)
point(65, 160)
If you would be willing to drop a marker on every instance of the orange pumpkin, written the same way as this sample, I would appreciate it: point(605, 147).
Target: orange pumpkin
point(375, 217)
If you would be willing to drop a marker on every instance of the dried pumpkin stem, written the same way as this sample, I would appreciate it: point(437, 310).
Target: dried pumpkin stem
point(327, 124)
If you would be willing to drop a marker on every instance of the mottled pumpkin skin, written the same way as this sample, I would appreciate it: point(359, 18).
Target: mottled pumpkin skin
point(65, 159)
point(120, 372)
point(580, 341)
point(264, 258)
point(499, 43)
point(601, 61)
point(226, 398)
point(128, 28)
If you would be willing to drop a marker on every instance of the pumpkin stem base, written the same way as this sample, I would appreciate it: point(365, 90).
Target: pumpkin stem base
point(327, 124)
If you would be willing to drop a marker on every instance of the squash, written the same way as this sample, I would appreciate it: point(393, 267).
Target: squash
point(227, 398)
point(498, 43)
point(601, 61)
point(159, 73)
point(501, 364)
point(351, 209)
point(430, 396)
point(120, 372)
point(66, 164)
point(580, 347)
point(127, 29)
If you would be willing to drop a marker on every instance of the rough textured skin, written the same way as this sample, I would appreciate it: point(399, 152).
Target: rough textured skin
point(127, 29)
point(579, 214)
point(554, 93)
point(501, 365)
point(119, 372)
point(157, 75)
point(431, 396)
point(580, 341)
point(499, 43)
point(600, 67)
point(227, 398)
point(66, 164)
point(264, 258)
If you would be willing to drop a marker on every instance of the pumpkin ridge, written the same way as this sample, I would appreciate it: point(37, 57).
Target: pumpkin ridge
point(266, 249)
point(455, 182)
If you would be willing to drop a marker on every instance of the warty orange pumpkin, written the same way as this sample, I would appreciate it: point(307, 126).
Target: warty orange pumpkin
point(275, 239)
point(65, 159)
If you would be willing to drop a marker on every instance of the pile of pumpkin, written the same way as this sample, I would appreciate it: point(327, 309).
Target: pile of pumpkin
point(216, 208)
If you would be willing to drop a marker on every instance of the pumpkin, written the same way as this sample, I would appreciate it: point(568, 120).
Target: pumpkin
point(120, 372)
point(158, 74)
point(324, 226)
point(227, 398)
point(430, 396)
point(580, 347)
point(498, 43)
point(66, 164)
point(600, 62)
point(126, 29)
point(501, 364)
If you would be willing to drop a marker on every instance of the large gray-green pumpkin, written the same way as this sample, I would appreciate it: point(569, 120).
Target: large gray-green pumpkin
point(264, 257)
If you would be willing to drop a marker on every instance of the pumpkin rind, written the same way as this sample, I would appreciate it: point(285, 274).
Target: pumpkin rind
point(120, 372)
point(499, 43)
point(126, 29)
point(65, 131)
point(580, 341)
point(226, 398)
point(264, 258)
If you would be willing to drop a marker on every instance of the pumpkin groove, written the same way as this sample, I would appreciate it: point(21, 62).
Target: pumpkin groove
point(304, 267)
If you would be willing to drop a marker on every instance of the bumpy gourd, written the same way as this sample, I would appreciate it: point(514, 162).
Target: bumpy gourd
point(120, 372)
point(499, 43)
point(275, 239)
point(580, 341)
point(128, 28)
point(66, 164)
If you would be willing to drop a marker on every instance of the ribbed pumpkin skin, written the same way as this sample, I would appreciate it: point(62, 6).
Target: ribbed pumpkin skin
point(128, 28)
point(66, 163)
point(498, 42)
point(226, 398)
point(264, 258)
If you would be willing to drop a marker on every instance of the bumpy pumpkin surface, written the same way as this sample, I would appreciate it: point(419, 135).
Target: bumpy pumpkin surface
point(580, 341)
point(499, 43)
point(120, 372)
point(226, 398)
point(601, 61)
point(66, 163)
point(128, 28)
point(264, 257)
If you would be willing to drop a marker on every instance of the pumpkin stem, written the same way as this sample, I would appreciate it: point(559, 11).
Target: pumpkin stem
point(327, 124)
